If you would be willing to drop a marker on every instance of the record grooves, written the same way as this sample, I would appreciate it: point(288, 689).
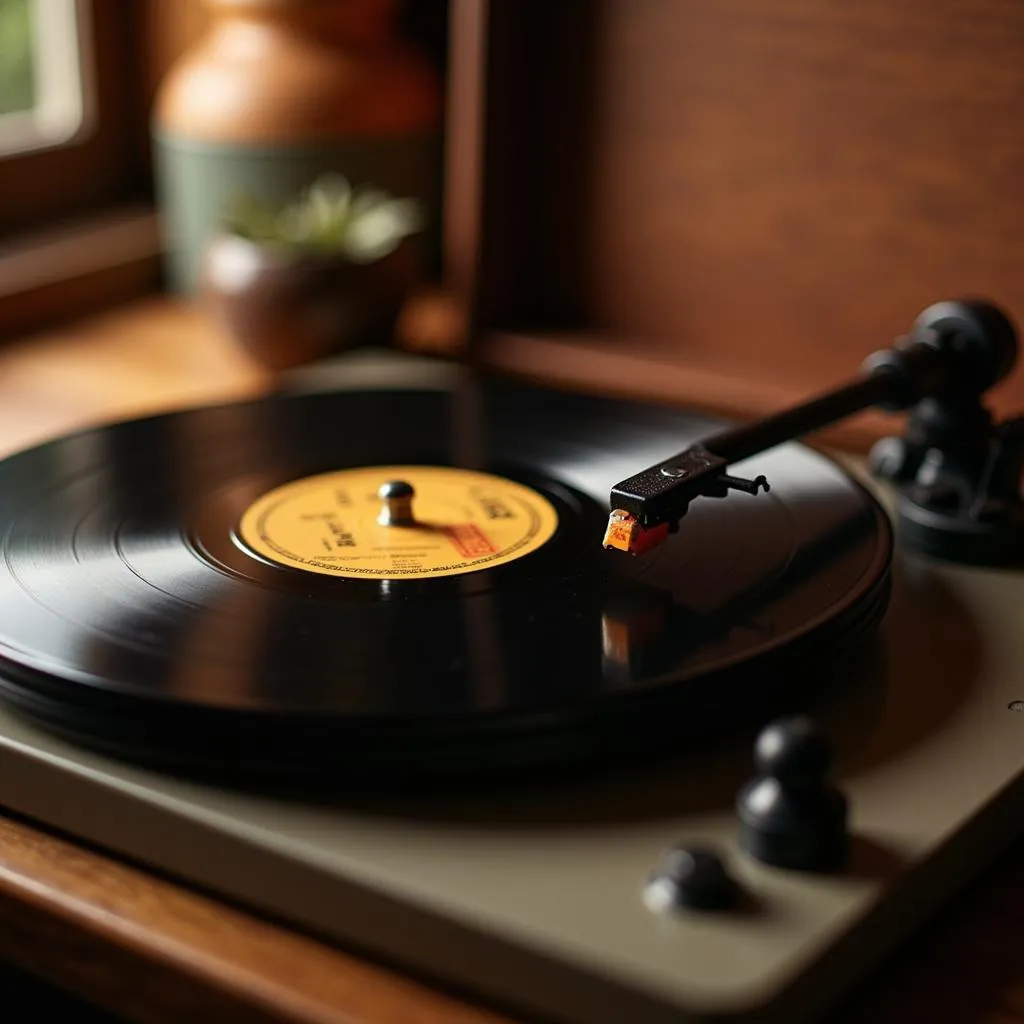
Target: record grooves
point(143, 619)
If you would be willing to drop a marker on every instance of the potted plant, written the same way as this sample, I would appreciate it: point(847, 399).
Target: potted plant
point(321, 273)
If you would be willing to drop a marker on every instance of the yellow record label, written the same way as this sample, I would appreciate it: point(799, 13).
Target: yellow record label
point(343, 524)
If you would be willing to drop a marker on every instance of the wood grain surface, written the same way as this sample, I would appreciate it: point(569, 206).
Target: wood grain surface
point(155, 952)
point(148, 357)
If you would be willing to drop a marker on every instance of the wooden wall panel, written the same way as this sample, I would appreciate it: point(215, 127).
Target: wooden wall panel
point(817, 168)
point(770, 187)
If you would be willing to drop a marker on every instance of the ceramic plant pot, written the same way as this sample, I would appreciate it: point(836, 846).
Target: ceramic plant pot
point(287, 308)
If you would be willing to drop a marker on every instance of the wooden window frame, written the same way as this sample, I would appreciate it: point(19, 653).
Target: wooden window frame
point(77, 225)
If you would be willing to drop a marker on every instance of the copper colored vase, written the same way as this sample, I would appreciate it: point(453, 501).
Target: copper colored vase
point(278, 93)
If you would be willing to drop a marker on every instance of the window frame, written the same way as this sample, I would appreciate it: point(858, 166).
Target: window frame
point(59, 194)
point(64, 72)
point(106, 161)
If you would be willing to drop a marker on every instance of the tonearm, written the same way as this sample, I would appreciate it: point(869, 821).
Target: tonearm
point(956, 469)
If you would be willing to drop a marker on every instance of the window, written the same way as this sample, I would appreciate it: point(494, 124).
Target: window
point(42, 73)
point(73, 131)
point(77, 228)
point(17, 88)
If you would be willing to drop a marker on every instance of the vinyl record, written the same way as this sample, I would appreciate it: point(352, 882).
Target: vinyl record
point(220, 591)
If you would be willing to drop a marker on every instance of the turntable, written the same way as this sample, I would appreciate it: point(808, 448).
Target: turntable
point(577, 703)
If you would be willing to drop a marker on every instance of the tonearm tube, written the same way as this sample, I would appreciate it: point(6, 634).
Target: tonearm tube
point(956, 469)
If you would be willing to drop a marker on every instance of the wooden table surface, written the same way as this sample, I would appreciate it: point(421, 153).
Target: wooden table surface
point(151, 950)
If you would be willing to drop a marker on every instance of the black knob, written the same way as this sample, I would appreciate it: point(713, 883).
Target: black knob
point(955, 351)
point(694, 878)
point(790, 816)
point(980, 335)
point(794, 751)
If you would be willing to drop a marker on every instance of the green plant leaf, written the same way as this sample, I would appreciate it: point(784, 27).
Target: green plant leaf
point(361, 224)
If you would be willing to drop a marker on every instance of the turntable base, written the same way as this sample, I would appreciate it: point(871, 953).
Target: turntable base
point(533, 897)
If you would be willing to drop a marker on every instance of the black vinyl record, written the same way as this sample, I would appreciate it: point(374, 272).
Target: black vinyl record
point(136, 618)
